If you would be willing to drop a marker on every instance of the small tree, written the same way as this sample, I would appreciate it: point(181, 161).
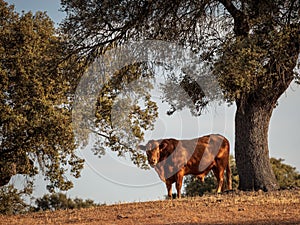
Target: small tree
point(286, 175)
point(58, 201)
point(11, 200)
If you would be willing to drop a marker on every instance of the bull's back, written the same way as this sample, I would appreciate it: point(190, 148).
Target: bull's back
point(206, 150)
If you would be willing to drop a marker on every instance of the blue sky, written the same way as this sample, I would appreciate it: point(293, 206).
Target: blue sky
point(51, 7)
point(112, 179)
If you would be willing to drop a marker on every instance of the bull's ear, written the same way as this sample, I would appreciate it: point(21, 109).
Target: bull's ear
point(142, 147)
point(162, 146)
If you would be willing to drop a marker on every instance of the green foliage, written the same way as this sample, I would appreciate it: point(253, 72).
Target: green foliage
point(57, 201)
point(194, 187)
point(12, 200)
point(124, 111)
point(286, 175)
point(244, 66)
point(234, 173)
point(119, 112)
point(35, 88)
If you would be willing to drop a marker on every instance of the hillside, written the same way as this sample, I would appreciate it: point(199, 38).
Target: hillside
point(282, 208)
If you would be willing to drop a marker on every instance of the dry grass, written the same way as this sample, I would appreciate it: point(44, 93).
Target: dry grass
point(236, 208)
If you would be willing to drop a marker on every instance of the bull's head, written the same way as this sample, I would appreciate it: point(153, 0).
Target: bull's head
point(153, 150)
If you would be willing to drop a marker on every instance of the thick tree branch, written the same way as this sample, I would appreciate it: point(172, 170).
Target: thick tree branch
point(241, 26)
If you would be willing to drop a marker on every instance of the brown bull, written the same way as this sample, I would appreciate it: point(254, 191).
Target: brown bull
point(173, 159)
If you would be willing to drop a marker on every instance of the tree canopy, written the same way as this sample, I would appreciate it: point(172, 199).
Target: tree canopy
point(35, 99)
point(244, 37)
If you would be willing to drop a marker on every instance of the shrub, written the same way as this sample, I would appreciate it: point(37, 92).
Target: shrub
point(12, 201)
point(286, 175)
point(58, 201)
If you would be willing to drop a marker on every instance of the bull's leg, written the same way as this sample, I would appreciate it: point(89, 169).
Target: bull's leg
point(179, 179)
point(202, 175)
point(220, 178)
point(169, 188)
point(178, 188)
point(221, 185)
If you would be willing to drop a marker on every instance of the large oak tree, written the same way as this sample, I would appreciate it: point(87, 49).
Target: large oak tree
point(252, 47)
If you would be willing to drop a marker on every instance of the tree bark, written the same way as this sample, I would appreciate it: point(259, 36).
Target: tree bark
point(251, 146)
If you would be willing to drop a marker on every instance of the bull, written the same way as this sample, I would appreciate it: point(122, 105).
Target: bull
point(173, 159)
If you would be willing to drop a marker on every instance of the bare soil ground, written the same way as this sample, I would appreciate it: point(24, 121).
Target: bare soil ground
point(276, 208)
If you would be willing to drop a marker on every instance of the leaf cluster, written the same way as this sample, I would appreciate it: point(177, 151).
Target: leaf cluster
point(124, 111)
point(258, 63)
point(286, 175)
point(59, 201)
point(12, 200)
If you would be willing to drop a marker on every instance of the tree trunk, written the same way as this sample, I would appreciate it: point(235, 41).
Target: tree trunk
point(251, 146)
